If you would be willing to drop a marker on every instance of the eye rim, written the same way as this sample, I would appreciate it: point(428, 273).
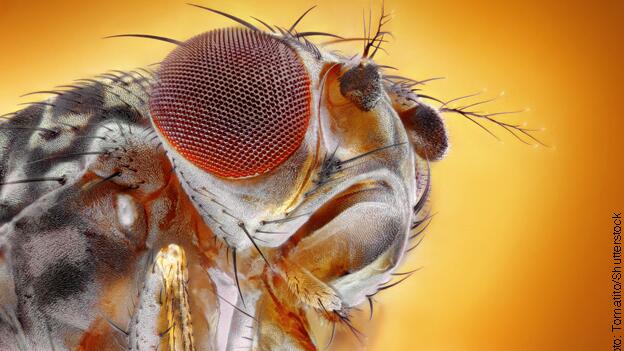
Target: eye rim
point(295, 87)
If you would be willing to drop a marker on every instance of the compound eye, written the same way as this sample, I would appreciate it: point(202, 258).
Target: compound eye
point(234, 102)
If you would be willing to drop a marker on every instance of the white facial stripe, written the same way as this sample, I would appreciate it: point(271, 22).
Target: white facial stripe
point(126, 211)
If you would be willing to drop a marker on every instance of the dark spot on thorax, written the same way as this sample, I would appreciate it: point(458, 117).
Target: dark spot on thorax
point(63, 280)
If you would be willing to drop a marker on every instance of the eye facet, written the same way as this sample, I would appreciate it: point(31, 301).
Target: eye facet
point(234, 102)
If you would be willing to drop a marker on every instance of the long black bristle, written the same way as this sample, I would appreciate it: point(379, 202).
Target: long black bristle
point(147, 36)
point(310, 34)
point(244, 228)
point(232, 17)
point(240, 293)
point(60, 180)
point(264, 24)
point(294, 25)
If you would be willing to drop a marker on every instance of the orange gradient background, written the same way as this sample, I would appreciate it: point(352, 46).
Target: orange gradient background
point(517, 257)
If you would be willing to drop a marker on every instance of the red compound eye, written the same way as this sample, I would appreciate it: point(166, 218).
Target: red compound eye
point(233, 101)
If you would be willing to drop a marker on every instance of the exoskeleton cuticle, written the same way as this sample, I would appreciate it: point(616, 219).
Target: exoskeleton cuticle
point(251, 185)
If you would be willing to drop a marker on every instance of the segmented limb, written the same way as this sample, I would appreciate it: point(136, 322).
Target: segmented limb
point(163, 318)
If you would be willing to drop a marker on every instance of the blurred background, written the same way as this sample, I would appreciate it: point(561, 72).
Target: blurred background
point(517, 256)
